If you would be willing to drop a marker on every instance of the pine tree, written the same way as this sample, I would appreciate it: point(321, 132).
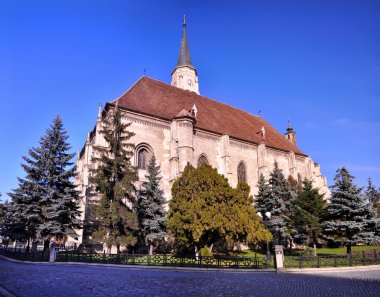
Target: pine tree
point(151, 207)
point(46, 201)
point(263, 203)
point(308, 209)
point(347, 217)
point(294, 184)
point(279, 205)
point(373, 196)
point(114, 177)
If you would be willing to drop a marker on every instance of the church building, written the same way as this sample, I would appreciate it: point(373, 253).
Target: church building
point(180, 126)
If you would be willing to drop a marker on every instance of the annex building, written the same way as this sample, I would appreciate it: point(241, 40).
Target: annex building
point(179, 126)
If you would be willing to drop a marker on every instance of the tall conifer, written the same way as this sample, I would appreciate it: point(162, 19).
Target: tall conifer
point(263, 202)
point(373, 196)
point(46, 202)
point(308, 210)
point(114, 177)
point(279, 203)
point(348, 218)
point(151, 207)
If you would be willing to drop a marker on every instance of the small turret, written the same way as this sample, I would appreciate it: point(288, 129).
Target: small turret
point(100, 112)
point(290, 134)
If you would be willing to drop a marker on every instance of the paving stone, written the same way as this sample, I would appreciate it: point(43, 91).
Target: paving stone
point(56, 280)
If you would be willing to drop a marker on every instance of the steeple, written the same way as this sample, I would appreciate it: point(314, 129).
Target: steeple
point(184, 58)
point(290, 133)
point(184, 75)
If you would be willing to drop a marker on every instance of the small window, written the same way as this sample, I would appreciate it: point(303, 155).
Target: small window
point(242, 173)
point(142, 159)
point(202, 159)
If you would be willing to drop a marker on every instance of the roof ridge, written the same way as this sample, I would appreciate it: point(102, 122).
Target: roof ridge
point(207, 98)
point(130, 88)
point(249, 122)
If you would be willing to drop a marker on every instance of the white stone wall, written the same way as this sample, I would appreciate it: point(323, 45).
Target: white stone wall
point(186, 78)
point(176, 143)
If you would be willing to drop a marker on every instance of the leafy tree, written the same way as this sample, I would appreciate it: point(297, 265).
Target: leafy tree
point(248, 227)
point(205, 210)
point(308, 210)
point(373, 196)
point(46, 202)
point(114, 178)
point(151, 207)
point(348, 218)
point(278, 203)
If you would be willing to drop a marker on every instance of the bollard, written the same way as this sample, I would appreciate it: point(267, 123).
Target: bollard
point(279, 256)
point(52, 251)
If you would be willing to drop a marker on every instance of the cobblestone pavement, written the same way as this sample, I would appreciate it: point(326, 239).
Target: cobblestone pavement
point(57, 280)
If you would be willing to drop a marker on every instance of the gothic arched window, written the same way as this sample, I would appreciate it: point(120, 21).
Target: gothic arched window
point(242, 173)
point(202, 159)
point(142, 159)
point(143, 155)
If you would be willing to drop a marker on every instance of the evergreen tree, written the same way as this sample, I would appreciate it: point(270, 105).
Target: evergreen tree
point(308, 209)
point(294, 184)
point(46, 201)
point(205, 210)
point(151, 207)
point(263, 203)
point(347, 217)
point(279, 205)
point(114, 177)
point(373, 196)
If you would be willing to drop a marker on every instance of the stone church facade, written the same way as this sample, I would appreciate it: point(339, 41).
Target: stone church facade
point(179, 126)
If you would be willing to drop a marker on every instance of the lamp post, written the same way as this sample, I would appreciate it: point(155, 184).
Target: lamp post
point(267, 216)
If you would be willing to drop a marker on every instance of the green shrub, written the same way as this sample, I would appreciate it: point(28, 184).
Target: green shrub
point(205, 252)
point(308, 252)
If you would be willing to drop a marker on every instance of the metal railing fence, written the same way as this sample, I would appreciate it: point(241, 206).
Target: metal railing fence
point(217, 261)
point(357, 259)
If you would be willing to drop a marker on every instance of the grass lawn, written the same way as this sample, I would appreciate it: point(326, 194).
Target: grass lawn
point(320, 251)
point(343, 250)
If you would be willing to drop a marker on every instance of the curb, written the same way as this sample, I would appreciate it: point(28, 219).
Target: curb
point(333, 269)
point(4, 292)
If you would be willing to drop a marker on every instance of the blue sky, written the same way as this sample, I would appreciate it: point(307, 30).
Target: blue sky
point(315, 62)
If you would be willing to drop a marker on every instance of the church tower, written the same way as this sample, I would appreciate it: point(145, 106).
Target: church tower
point(184, 75)
point(290, 134)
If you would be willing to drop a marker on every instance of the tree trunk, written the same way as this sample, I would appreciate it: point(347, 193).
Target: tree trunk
point(46, 244)
point(315, 249)
point(151, 249)
point(210, 248)
point(27, 249)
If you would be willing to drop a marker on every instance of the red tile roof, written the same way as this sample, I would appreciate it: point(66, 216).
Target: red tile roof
point(152, 97)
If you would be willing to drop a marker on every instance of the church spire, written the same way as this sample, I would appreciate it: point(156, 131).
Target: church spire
point(290, 134)
point(184, 75)
point(184, 58)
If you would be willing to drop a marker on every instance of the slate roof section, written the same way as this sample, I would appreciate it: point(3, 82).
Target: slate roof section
point(154, 98)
